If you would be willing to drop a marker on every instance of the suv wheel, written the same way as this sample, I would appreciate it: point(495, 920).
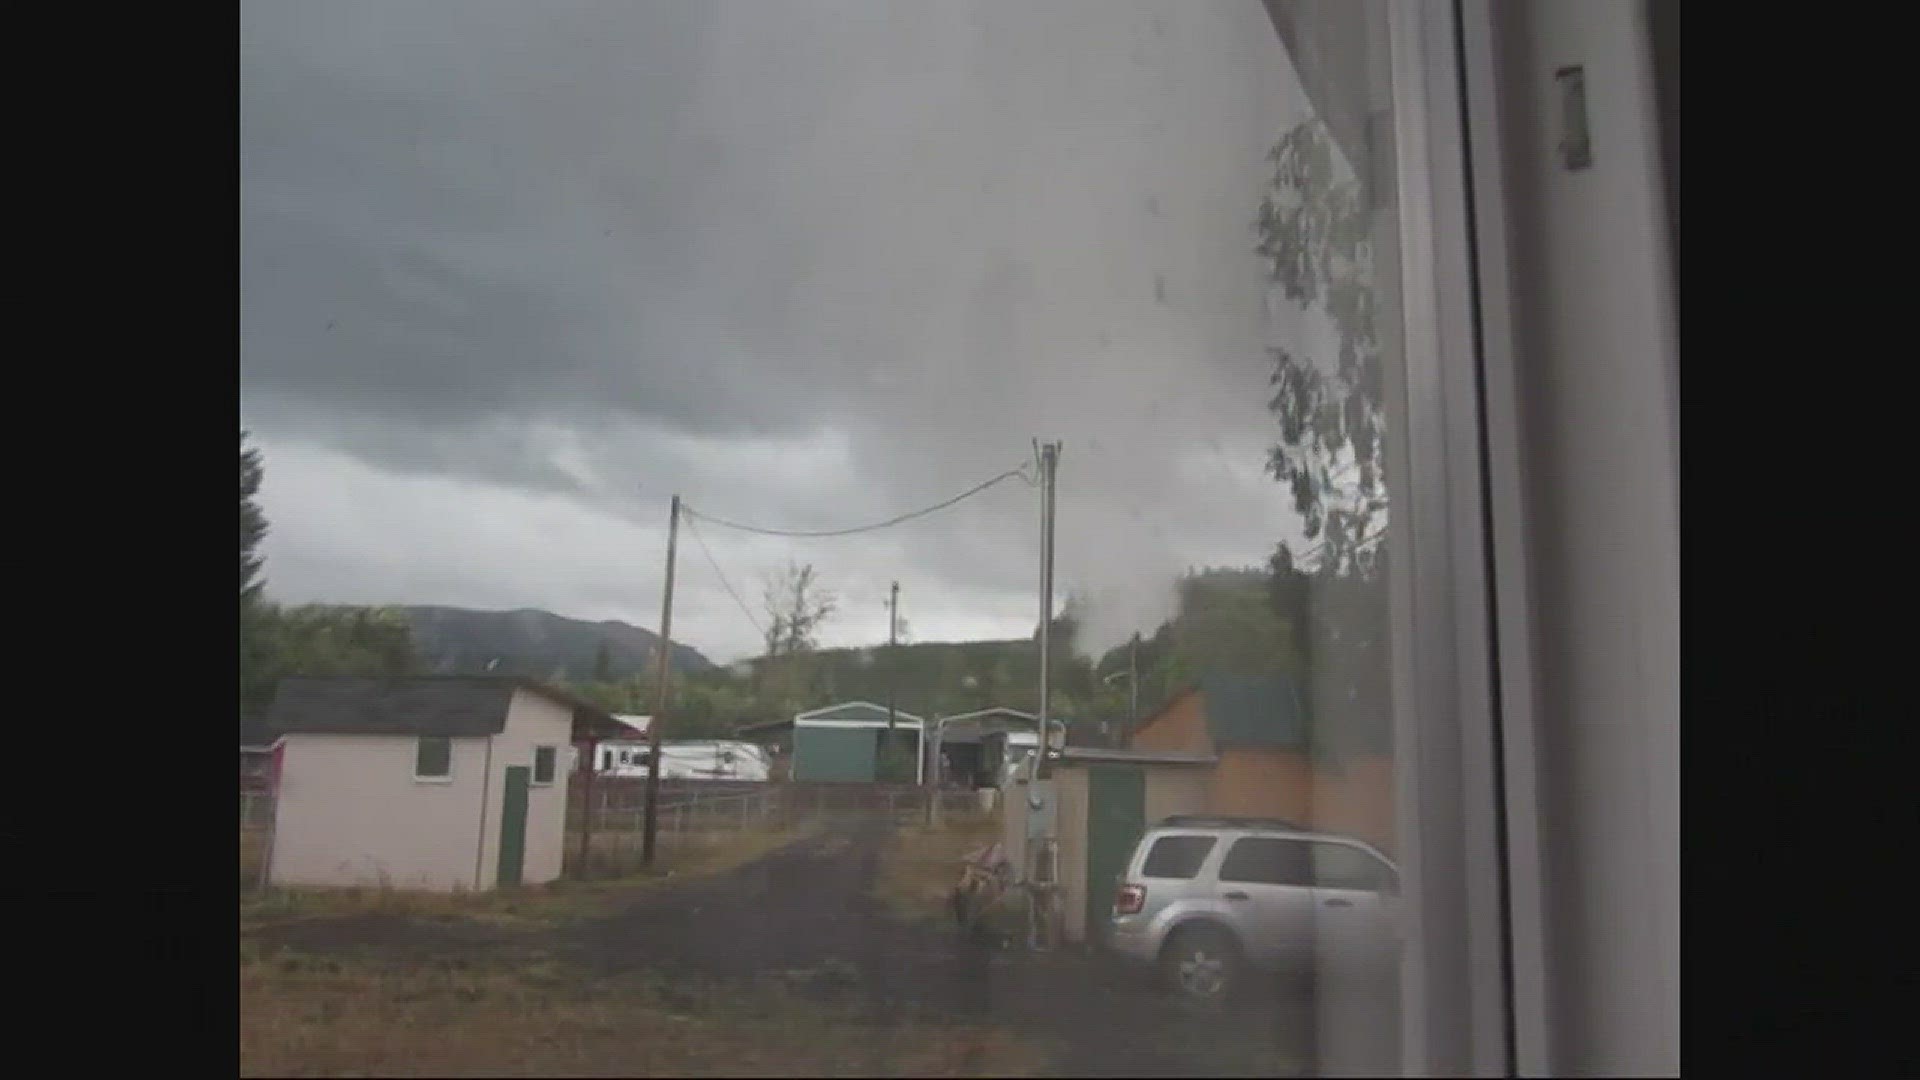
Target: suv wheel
point(1201, 966)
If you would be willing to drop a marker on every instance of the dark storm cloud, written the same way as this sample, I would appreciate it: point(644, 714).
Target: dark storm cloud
point(808, 264)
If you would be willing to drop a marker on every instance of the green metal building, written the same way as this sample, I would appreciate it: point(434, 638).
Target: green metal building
point(850, 742)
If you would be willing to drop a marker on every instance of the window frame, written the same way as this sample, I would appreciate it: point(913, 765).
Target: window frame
point(1455, 779)
point(553, 766)
point(419, 744)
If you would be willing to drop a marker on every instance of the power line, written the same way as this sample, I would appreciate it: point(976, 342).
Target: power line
point(721, 574)
point(942, 505)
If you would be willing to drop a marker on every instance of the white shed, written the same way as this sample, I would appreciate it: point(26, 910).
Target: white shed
point(422, 782)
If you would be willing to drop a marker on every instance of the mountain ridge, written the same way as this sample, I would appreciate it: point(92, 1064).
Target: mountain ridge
point(537, 643)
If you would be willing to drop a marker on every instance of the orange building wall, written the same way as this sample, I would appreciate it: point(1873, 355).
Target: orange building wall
point(1356, 799)
point(1181, 726)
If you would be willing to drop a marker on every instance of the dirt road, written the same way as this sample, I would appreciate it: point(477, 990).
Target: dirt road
point(805, 916)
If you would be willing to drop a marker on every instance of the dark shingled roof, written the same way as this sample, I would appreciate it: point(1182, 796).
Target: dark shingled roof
point(454, 705)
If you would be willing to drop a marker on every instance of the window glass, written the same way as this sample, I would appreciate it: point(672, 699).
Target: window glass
point(1176, 856)
point(1266, 861)
point(543, 764)
point(1342, 866)
point(881, 363)
point(433, 757)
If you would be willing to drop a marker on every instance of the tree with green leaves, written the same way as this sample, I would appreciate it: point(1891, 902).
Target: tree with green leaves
point(320, 639)
point(253, 524)
point(602, 664)
point(1315, 234)
point(255, 644)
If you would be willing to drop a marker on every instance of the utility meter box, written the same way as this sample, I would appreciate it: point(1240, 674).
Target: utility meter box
point(1042, 798)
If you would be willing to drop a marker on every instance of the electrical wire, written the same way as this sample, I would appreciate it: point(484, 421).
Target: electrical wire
point(721, 574)
point(942, 505)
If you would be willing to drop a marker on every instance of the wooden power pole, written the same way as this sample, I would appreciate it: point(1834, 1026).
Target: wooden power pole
point(660, 710)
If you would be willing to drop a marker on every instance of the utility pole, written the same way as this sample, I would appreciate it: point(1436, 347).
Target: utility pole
point(893, 655)
point(660, 711)
point(1133, 684)
point(1049, 461)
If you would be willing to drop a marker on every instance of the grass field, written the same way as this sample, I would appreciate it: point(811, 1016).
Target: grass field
point(920, 865)
point(693, 856)
point(310, 1016)
point(506, 1004)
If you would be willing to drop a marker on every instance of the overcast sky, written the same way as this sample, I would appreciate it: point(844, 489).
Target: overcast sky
point(514, 273)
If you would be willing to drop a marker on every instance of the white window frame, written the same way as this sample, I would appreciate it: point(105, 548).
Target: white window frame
point(1509, 55)
point(534, 772)
point(447, 777)
point(1456, 983)
point(1476, 992)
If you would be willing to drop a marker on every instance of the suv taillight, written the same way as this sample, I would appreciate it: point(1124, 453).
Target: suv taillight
point(1130, 899)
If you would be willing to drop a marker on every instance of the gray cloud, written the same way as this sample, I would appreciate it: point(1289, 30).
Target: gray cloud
point(809, 264)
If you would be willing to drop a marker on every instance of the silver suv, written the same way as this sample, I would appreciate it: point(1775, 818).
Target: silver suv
point(1210, 900)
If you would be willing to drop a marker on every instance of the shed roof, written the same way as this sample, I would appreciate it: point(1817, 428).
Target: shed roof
point(973, 727)
point(453, 705)
point(862, 711)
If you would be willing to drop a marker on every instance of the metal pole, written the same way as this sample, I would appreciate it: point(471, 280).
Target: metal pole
point(586, 807)
point(893, 639)
point(1049, 460)
point(1133, 684)
point(660, 711)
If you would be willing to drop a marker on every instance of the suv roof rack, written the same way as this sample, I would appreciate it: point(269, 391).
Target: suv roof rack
point(1229, 821)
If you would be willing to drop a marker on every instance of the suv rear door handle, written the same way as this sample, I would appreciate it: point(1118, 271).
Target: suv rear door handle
point(1337, 902)
point(1235, 895)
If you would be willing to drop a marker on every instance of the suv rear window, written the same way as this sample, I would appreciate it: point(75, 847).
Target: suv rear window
point(1176, 856)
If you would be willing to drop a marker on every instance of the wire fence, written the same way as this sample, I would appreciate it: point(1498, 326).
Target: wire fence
point(702, 806)
point(608, 817)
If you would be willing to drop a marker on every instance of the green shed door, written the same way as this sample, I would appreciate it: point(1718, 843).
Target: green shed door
point(834, 753)
point(513, 824)
point(1116, 819)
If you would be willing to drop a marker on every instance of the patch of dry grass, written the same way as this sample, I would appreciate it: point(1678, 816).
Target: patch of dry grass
point(253, 851)
point(532, 906)
point(307, 1016)
point(921, 865)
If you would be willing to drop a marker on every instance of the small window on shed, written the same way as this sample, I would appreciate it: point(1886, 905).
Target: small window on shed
point(543, 764)
point(433, 758)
